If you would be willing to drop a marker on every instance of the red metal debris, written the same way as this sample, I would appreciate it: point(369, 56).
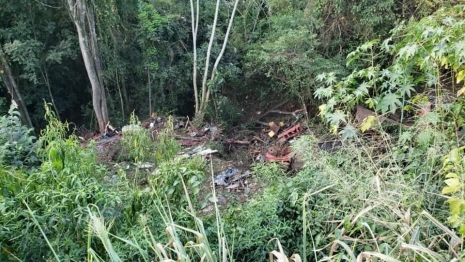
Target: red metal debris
point(286, 159)
point(291, 132)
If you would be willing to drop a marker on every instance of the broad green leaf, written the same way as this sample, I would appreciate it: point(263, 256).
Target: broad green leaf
point(454, 155)
point(405, 137)
point(348, 132)
point(330, 78)
point(453, 182)
point(362, 89)
point(371, 72)
point(449, 190)
point(321, 77)
point(333, 129)
point(424, 137)
point(390, 102)
point(371, 102)
point(454, 205)
point(462, 229)
point(408, 51)
point(406, 89)
point(336, 118)
point(452, 175)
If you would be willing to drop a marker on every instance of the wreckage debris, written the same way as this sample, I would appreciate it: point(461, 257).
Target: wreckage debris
point(231, 178)
point(274, 129)
point(223, 178)
point(330, 146)
point(291, 132)
point(198, 151)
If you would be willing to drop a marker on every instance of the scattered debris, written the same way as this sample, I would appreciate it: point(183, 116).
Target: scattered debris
point(198, 151)
point(274, 129)
point(223, 178)
point(363, 113)
point(129, 129)
point(330, 146)
point(285, 159)
point(238, 142)
point(291, 132)
point(144, 165)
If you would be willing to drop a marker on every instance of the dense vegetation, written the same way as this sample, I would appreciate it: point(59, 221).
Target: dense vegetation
point(393, 192)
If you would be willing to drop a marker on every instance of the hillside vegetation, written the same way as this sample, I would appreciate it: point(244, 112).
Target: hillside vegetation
point(383, 79)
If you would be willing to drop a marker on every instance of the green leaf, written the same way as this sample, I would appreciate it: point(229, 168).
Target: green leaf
point(448, 190)
point(405, 137)
point(424, 137)
point(408, 51)
point(348, 132)
point(454, 205)
point(361, 90)
point(336, 118)
point(321, 77)
point(452, 175)
point(390, 102)
point(330, 78)
point(406, 89)
point(454, 156)
point(453, 182)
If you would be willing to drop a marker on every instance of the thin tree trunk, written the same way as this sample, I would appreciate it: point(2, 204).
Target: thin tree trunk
point(125, 96)
point(49, 87)
point(207, 60)
point(13, 89)
point(120, 94)
point(150, 92)
point(218, 59)
point(195, 25)
point(206, 90)
point(83, 18)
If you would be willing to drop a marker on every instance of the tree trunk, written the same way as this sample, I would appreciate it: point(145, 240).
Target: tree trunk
point(150, 92)
point(83, 17)
point(201, 104)
point(13, 89)
point(195, 26)
point(49, 87)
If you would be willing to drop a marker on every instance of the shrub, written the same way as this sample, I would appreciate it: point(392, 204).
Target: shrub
point(136, 143)
point(57, 197)
point(17, 145)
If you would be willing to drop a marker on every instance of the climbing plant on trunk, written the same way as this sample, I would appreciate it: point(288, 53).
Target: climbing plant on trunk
point(82, 15)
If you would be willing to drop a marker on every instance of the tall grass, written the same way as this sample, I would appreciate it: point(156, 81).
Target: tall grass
point(183, 244)
point(373, 209)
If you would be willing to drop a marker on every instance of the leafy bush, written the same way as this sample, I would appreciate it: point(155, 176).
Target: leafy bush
point(454, 170)
point(167, 147)
point(169, 176)
point(17, 145)
point(424, 53)
point(136, 143)
point(58, 196)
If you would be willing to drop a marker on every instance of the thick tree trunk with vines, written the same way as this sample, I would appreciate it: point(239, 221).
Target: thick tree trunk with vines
point(10, 83)
point(82, 14)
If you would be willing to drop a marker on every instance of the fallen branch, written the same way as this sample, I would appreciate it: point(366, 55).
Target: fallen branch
point(239, 142)
point(189, 138)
